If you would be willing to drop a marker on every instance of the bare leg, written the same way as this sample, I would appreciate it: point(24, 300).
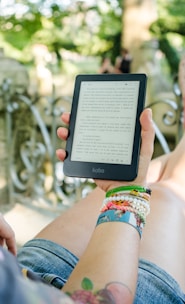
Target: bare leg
point(168, 165)
point(157, 168)
point(73, 228)
point(163, 241)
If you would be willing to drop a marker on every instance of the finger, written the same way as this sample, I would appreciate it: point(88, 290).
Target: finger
point(7, 235)
point(147, 133)
point(1, 241)
point(65, 117)
point(147, 144)
point(11, 245)
point(61, 154)
point(62, 133)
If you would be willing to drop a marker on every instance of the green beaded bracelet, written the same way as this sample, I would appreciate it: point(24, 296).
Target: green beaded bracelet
point(128, 188)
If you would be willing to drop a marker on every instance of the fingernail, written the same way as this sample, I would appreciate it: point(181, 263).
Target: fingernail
point(150, 113)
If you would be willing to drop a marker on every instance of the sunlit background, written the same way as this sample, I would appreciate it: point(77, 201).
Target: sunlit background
point(56, 40)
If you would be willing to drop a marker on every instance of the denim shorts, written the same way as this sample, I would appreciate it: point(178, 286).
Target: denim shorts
point(54, 264)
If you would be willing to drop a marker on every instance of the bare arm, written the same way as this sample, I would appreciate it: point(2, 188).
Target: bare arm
point(109, 265)
point(110, 262)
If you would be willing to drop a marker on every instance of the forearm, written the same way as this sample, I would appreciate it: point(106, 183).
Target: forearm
point(110, 264)
point(110, 261)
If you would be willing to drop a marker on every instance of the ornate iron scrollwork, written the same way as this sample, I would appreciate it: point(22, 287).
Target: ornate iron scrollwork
point(34, 174)
point(172, 116)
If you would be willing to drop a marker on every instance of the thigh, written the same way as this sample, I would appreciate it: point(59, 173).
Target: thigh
point(163, 239)
point(74, 227)
point(47, 260)
point(154, 285)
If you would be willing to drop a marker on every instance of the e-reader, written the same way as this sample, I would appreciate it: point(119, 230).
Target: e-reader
point(104, 130)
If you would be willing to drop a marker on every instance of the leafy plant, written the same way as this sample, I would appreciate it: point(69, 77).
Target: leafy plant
point(170, 28)
point(81, 27)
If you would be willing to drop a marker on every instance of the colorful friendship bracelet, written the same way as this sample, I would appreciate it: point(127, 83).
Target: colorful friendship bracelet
point(142, 212)
point(128, 204)
point(118, 216)
point(123, 208)
point(124, 198)
point(139, 205)
point(128, 188)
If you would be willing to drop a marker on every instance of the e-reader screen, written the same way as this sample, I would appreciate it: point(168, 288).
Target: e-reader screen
point(104, 131)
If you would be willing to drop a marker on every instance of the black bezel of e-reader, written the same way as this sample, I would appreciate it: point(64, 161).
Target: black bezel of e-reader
point(101, 170)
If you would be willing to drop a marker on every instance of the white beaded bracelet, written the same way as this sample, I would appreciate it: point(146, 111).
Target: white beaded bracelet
point(139, 204)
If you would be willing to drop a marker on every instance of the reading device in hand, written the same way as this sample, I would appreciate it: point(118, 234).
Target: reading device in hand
point(104, 130)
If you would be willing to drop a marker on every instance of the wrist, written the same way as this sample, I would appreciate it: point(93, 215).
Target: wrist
point(129, 204)
point(125, 184)
point(127, 189)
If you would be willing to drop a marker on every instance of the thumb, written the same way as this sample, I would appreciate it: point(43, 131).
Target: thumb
point(147, 143)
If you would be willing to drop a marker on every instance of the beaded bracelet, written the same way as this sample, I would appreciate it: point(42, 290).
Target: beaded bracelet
point(139, 205)
point(134, 193)
point(141, 213)
point(124, 217)
point(128, 204)
point(128, 197)
point(128, 188)
point(124, 208)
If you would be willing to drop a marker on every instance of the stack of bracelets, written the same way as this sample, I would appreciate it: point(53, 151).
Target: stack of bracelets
point(128, 204)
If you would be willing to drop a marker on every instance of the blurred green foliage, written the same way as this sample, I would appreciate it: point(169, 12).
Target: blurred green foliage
point(89, 29)
point(169, 29)
point(92, 28)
